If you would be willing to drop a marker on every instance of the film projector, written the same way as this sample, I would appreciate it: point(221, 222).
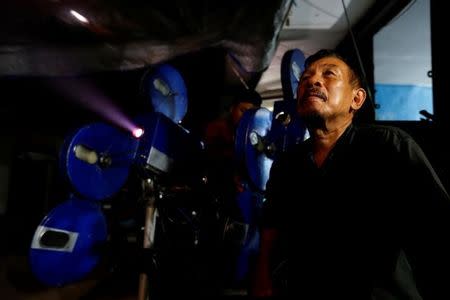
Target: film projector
point(99, 161)
point(165, 162)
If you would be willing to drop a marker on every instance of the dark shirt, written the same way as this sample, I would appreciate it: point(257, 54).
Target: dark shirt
point(219, 138)
point(221, 164)
point(372, 214)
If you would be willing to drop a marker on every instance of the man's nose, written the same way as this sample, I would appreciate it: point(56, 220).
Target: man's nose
point(315, 80)
point(311, 81)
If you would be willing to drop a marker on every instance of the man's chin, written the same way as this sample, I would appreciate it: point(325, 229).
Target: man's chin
point(312, 119)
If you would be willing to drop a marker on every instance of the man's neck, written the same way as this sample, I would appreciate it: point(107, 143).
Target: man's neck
point(325, 138)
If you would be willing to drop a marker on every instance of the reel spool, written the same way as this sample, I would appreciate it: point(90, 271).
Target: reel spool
point(96, 160)
point(287, 128)
point(292, 67)
point(166, 90)
point(67, 244)
point(252, 147)
point(254, 151)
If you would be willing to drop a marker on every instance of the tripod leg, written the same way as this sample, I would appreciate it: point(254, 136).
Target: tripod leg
point(149, 237)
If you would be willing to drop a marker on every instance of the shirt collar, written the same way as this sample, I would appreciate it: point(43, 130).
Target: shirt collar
point(344, 140)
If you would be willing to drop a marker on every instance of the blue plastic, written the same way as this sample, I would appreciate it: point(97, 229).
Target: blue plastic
point(240, 141)
point(56, 266)
point(286, 135)
point(292, 66)
point(97, 181)
point(253, 127)
point(250, 206)
point(168, 148)
point(167, 92)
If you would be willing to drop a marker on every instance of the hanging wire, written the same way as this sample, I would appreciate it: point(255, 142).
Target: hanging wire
point(236, 72)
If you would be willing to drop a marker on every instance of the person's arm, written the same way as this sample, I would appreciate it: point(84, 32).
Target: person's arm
point(427, 228)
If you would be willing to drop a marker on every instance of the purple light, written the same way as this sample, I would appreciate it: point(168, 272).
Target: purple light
point(85, 94)
point(138, 132)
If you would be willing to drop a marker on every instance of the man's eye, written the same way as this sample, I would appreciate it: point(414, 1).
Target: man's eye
point(329, 73)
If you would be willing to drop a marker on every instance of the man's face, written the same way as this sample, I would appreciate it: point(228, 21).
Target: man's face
point(324, 90)
point(238, 110)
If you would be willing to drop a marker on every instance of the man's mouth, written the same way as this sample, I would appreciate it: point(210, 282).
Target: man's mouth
point(314, 94)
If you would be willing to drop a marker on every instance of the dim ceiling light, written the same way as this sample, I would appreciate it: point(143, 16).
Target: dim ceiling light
point(79, 17)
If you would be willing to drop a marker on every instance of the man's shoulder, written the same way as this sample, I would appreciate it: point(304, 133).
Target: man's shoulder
point(381, 132)
point(293, 154)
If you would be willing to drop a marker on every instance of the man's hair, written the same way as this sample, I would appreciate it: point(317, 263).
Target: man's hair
point(250, 96)
point(355, 78)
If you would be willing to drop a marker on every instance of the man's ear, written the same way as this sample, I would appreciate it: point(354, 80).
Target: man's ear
point(359, 96)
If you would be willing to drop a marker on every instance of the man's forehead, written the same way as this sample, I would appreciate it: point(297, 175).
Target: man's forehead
point(245, 104)
point(328, 62)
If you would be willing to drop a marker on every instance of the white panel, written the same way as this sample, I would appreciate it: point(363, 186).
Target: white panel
point(402, 49)
point(315, 14)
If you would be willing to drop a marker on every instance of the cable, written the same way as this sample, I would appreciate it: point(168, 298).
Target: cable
point(369, 93)
point(236, 72)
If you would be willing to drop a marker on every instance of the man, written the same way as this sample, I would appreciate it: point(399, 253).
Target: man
point(368, 213)
point(219, 134)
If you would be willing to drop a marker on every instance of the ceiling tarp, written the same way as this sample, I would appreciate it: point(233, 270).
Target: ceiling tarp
point(57, 37)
